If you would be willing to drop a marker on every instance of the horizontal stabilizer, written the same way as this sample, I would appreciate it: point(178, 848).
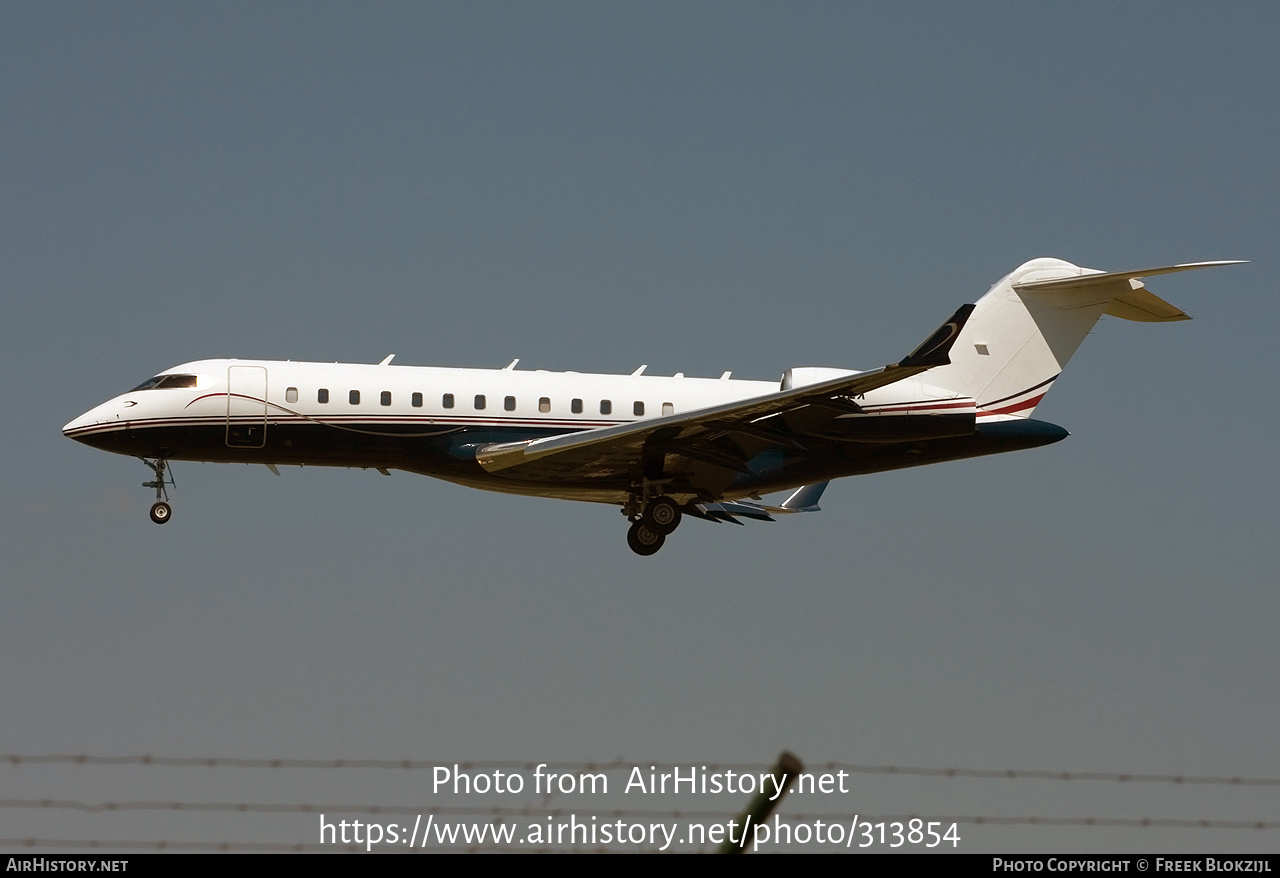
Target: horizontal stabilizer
point(1089, 278)
point(1130, 299)
point(1143, 306)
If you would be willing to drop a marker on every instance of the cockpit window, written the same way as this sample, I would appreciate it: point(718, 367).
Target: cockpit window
point(165, 382)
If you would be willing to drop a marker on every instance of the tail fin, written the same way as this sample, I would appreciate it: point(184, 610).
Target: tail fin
point(1024, 330)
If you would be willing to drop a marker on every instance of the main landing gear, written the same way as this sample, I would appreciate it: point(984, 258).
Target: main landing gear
point(649, 528)
point(161, 511)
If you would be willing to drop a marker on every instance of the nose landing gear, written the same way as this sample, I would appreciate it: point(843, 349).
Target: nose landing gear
point(161, 511)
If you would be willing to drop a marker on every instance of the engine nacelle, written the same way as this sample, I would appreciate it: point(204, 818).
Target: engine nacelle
point(803, 376)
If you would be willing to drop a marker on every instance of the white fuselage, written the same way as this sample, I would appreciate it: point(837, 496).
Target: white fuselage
point(284, 392)
point(418, 418)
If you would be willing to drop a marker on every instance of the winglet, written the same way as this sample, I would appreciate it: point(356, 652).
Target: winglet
point(805, 499)
point(936, 349)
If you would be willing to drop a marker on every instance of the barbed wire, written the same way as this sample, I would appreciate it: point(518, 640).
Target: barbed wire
point(15, 759)
point(376, 810)
point(270, 847)
point(503, 813)
point(628, 813)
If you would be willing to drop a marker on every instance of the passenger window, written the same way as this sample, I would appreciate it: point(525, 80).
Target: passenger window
point(576, 406)
point(322, 395)
point(606, 407)
point(509, 403)
point(544, 404)
point(354, 396)
point(291, 394)
point(447, 402)
point(638, 408)
point(668, 409)
point(416, 400)
point(479, 401)
point(386, 397)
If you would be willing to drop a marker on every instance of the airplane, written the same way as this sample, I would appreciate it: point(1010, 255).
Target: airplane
point(661, 448)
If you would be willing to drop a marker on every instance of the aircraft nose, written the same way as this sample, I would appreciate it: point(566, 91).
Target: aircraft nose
point(81, 428)
point(77, 425)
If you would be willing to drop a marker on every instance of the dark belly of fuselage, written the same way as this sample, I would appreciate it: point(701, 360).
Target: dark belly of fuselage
point(448, 452)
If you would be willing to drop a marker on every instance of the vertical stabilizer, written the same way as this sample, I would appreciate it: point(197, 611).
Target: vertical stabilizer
point(1024, 330)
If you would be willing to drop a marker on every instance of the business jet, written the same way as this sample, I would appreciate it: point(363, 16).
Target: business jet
point(661, 448)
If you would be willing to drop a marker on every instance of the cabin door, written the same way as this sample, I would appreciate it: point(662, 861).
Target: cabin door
point(246, 406)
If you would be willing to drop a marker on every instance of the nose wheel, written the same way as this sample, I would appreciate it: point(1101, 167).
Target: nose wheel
point(161, 511)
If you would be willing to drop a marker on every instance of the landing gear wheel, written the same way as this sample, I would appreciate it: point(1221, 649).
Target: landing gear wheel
point(662, 515)
point(644, 541)
point(161, 511)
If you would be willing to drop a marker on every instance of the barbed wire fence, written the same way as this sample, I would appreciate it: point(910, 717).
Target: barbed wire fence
point(548, 810)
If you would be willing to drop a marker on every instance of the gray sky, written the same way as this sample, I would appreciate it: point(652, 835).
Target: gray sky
point(698, 187)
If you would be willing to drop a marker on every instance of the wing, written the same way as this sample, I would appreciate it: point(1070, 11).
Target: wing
point(699, 452)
